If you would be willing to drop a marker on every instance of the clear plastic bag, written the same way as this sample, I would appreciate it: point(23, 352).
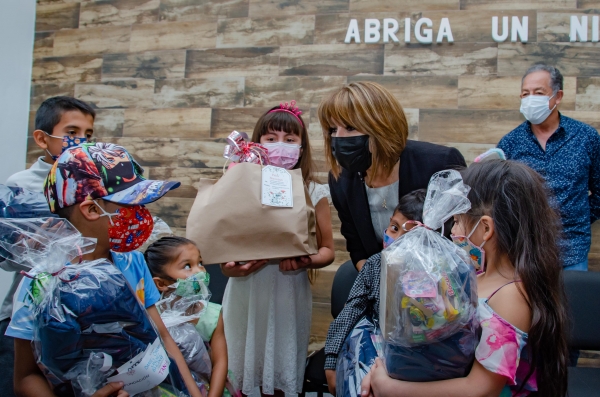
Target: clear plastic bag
point(16, 202)
point(180, 308)
point(194, 352)
point(85, 376)
point(429, 292)
point(79, 311)
point(356, 357)
point(160, 230)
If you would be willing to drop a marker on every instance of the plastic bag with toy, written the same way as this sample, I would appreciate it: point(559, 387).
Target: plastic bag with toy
point(89, 328)
point(181, 307)
point(16, 202)
point(429, 292)
point(356, 357)
point(159, 230)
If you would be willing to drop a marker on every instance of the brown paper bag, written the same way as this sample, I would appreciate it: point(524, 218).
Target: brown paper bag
point(229, 223)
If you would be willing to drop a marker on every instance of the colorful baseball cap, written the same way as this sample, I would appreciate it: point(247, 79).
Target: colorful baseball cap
point(100, 170)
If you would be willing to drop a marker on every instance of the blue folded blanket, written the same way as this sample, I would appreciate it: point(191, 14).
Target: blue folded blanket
point(100, 313)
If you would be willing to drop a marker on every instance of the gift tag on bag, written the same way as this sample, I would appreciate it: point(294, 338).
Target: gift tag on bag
point(277, 187)
point(145, 371)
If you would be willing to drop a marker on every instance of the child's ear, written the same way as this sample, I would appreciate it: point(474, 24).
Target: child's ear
point(89, 210)
point(161, 284)
point(39, 137)
point(489, 227)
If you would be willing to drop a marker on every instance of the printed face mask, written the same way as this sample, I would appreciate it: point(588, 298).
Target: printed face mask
point(476, 253)
point(129, 228)
point(536, 108)
point(352, 152)
point(68, 141)
point(284, 155)
point(387, 240)
point(193, 285)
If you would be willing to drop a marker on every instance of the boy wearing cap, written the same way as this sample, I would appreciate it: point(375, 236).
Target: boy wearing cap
point(60, 122)
point(99, 188)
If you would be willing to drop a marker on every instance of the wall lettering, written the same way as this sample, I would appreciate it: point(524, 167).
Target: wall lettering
point(424, 30)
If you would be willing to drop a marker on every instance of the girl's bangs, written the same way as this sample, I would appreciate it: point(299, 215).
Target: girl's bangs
point(281, 121)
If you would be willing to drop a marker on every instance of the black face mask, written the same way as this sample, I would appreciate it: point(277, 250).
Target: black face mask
point(352, 153)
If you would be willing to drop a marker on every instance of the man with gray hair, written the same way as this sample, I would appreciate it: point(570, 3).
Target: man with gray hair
point(566, 152)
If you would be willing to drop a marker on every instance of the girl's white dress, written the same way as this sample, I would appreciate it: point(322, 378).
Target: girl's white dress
point(267, 319)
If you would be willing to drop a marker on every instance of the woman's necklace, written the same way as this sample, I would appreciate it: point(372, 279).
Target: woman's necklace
point(374, 189)
point(383, 198)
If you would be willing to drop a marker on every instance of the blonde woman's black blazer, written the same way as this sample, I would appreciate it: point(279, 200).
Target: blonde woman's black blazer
point(418, 162)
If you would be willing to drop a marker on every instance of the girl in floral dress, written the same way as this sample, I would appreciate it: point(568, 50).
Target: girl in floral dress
point(523, 349)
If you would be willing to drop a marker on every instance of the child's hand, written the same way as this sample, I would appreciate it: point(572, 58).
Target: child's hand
point(365, 386)
point(111, 389)
point(291, 264)
point(373, 380)
point(234, 269)
point(330, 375)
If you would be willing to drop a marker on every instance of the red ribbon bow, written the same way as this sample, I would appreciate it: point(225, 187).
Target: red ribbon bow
point(239, 150)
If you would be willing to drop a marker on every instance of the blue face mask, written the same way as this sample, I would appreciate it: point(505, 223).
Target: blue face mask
point(387, 240)
point(68, 141)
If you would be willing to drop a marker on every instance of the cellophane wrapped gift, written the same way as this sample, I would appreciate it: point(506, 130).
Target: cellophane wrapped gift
point(181, 306)
point(429, 293)
point(88, 323)
point(16, 202)
point(356, 357)
point(159, 230)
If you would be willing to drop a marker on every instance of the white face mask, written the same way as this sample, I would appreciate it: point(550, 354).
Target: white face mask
point(536, 108)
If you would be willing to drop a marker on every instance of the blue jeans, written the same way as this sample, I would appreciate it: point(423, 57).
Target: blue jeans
point(581, 266)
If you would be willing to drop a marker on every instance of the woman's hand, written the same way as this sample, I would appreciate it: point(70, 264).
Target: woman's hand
point(291, 264)
point(234, 269)
point(111, 389)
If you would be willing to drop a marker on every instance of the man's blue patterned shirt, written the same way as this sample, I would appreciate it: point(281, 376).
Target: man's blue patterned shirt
point(571, 166)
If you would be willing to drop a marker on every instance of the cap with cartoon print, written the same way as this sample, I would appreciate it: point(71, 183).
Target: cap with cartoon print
point(100, 170)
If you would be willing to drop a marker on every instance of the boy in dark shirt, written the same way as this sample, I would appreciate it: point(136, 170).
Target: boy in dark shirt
point(364, 296)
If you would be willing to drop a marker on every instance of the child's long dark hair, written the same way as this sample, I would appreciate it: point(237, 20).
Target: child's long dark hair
point(528, 230)
point(160, 253)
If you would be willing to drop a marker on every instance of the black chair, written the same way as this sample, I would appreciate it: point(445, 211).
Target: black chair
point(584, 308)
point(218, 282)
point(341, 286)
point(314, 375)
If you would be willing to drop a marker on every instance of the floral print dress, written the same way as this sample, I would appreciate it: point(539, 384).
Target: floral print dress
point(501, 350)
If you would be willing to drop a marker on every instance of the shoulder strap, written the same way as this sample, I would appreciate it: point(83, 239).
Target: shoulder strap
point(494, 293)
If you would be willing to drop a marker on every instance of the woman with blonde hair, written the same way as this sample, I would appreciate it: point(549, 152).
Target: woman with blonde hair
point(373, 165)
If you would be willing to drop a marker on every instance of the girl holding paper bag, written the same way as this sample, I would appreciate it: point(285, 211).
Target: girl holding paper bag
point(267, 309)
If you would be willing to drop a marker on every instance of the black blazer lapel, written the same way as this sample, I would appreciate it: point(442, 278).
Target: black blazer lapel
point(358, 203)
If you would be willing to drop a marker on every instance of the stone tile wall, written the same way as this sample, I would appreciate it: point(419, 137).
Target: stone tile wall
point(171, 78)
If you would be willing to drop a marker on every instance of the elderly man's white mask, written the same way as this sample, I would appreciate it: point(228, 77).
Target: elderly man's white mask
point(536, 108)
